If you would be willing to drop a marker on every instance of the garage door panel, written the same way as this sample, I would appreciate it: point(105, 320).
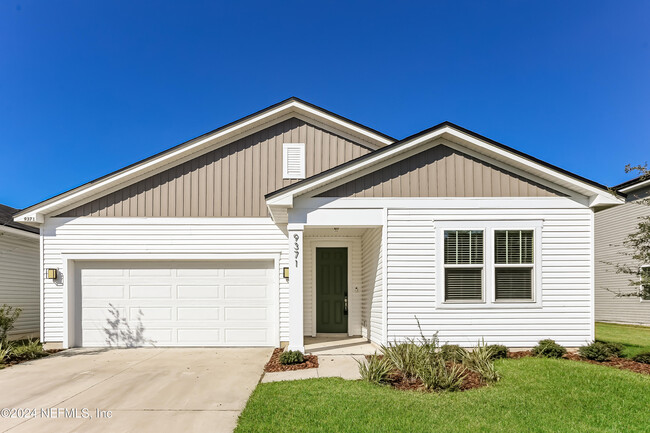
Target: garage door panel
point(178, 304)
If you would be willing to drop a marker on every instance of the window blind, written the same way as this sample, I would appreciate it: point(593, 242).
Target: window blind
point(513, 283)
point(463, 247)
point(463, 284)
point(513, 246)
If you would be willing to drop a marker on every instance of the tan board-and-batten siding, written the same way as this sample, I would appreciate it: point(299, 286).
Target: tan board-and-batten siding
point(230, 181)
point(441, 172)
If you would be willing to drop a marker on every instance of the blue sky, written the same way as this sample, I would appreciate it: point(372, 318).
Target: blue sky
point(87, 87)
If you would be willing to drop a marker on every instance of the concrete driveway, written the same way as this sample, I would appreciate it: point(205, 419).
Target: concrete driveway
point(145, 390)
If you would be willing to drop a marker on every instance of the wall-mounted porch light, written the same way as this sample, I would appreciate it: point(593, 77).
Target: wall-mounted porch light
point(51, 274)
point(285, 273)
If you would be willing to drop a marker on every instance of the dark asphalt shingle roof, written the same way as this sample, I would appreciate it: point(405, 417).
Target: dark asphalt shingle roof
point(7, 219)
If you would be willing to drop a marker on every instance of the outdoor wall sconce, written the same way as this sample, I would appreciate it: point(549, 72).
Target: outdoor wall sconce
point(285, 273)
point(51, 274)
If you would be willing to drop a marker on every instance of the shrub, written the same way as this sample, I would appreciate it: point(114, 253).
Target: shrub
point(642, 357)
point(479, 360)
point(375, 370)
point(8, 316)
point(498, 351)
point(405, 357)
point(452, 353)
point(599, 351)
point(615, 349)
point(5, 352)
point(291, 357)
point(438, 376)
point(548, 349)
point(31, 349)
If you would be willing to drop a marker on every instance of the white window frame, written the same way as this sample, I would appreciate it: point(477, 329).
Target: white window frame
point(285, 169)
point(463, 266)
point(641, 287)
point(530, 266)
point(489, 278)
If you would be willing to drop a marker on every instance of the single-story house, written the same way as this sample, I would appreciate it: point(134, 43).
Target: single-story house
point(295, 221)
point(20, 273)
point(613, 225)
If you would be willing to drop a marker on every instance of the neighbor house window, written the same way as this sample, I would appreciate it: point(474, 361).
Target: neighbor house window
point(293, 160)
point(463, 265)
point(645, 283)
point(513, 264)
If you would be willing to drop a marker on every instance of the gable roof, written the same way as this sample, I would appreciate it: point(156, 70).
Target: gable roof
point(291, 107)
point(633, 184)
point(7, 220)
point(599, 194)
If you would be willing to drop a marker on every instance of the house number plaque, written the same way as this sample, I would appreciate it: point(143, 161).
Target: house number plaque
point(296, 247)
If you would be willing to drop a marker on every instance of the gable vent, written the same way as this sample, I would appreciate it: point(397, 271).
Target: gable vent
point(293, 160)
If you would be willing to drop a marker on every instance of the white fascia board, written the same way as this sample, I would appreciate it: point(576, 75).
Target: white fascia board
point(588, 190)
point(634, 187)
point(37, 214)
point(18, 232)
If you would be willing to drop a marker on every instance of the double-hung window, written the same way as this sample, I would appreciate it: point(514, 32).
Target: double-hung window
point(464, 265)
point(645, 283)
point(513, 265)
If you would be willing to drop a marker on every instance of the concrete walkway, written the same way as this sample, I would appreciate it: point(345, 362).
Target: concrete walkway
point(337, 357)
point(145, 390)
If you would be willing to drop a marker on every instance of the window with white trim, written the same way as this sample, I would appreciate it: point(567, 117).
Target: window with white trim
point(293, 160)
point(645, 283)
point(463, 265)
point(513, 265)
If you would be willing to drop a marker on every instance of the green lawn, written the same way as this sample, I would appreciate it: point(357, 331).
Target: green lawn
point(535, 395)
point(636, 339)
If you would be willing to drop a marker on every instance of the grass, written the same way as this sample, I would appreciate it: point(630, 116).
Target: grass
point(535, 395)
point(636, 339)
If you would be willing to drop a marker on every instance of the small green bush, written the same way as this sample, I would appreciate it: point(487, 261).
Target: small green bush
point(438, 376)
point(642, 357)
point(452, 353)
point(31, 349)
point(548, 349)
point(615, 349)
point(599, 351)
point(5, 353)
point(479, 360)
point(8, 316)
point(375, 370)
point(405, 357)
point(499, 351)
point(291, 357)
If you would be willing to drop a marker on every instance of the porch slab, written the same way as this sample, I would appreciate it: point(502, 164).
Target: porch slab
point(345, 366)
point(333, 346)
point(280, 376)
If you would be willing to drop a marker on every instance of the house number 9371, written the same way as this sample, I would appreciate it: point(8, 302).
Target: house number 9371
point(296, 247)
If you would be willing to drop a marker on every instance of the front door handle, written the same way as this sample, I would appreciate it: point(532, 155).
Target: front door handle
point(345, 304)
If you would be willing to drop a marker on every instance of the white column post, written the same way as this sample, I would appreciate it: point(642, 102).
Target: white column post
point(296, 308)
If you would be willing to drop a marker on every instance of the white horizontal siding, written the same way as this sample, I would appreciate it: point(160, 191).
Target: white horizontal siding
point(567, 286)
point(354, 289)
point(612, 227)
point(372, 283)
point(154, 236)
point(19, 281)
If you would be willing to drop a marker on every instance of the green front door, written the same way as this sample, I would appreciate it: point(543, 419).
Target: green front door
point(331, 290)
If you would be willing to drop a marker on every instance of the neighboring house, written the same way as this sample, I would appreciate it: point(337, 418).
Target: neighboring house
point(20, 272)
point(295, 221)
point(613, 225)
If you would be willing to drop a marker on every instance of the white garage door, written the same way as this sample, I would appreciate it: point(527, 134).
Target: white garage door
point(178, 304)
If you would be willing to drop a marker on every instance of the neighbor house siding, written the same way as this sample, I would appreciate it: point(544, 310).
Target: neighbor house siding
point(354, 289)
point(441, 172)
point(230, 181)
point(566, 265)
point(613, 225)
point(372, 283)
point(153, 237)
point(20, 282)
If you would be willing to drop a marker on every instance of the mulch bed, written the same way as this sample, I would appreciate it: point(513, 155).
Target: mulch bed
point(274, 366)
point(620, 363)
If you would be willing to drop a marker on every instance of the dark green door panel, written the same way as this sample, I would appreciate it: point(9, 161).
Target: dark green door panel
point(331, 290)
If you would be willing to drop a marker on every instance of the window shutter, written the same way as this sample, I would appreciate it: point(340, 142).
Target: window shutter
point(293, 161)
